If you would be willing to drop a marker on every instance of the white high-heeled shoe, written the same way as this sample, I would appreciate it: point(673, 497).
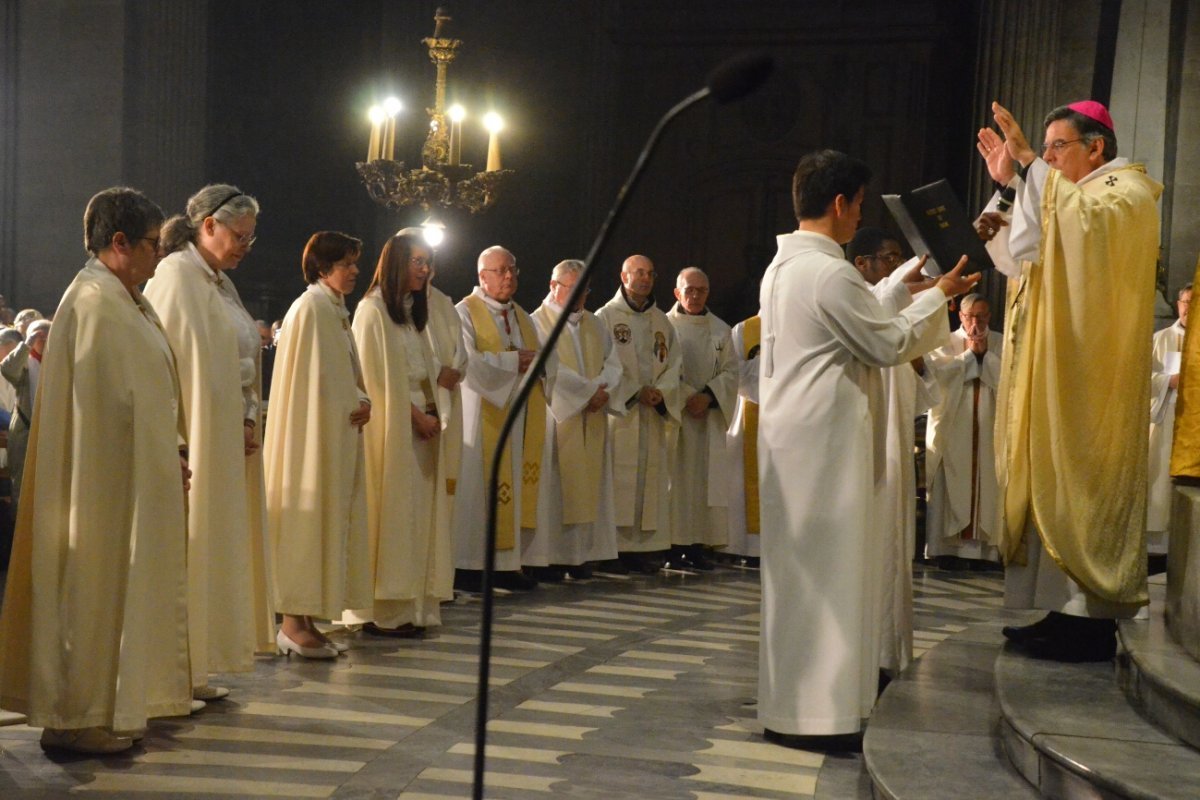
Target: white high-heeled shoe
point(287, 647)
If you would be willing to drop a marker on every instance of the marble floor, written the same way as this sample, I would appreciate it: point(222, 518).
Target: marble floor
point(637, 687)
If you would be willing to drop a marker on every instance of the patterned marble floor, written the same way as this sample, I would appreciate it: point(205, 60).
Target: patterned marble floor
point(640, 687)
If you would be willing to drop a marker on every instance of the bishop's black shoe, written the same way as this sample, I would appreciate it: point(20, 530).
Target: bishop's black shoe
point(1046, 626)
point(1078, 640)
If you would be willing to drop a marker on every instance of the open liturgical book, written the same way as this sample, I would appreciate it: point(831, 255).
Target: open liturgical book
point(934, 222)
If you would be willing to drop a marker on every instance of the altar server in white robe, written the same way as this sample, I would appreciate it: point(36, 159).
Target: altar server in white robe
point(20, 370)
point(963, 499)
point(825, 338)
point(316, 487)
point(909, 390)
point(742, 441)
point(581, 525)
point(407, 505)
point(501, 342)
point(708, 382)
point(647, 406)
point(94, 629)
point(1164, 382)
point(217, 348)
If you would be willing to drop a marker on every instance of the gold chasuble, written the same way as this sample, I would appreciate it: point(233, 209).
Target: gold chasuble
point(751, 336)
point(487, 340)
point(582, 438)
point(1074, 393)
point(1185, 452)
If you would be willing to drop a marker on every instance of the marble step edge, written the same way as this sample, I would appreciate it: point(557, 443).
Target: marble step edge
point(1072, 733)
point(943, 701)
point(1158, 675)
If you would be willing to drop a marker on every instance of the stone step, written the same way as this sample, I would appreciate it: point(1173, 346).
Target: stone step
point(1072, 732)
point(934, 734)
point(1158, 675)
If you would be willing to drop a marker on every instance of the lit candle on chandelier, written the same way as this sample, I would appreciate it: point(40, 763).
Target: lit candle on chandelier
point(494, 125)
point(391, 107)
point(457, 114)
point(376, 116)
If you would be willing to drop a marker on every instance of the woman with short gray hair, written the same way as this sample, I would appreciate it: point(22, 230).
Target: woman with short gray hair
point(218, 349)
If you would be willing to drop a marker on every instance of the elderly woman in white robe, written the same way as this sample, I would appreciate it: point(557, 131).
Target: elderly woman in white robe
point(313, 449)
point(407, 504)
point(217, 349)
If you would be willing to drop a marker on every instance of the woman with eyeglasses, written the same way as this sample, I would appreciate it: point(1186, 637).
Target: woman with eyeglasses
point(316, 503)
point(407, 504)
point(217, 347)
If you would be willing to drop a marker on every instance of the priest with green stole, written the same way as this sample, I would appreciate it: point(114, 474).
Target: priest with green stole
point(1072, 450)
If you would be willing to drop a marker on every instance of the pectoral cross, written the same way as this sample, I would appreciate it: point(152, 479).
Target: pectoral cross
point(1112, 181)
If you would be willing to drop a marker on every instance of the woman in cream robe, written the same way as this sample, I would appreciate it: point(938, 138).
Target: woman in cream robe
point(407, 504)
point(94, 632)
point(313, 450)
point(216, 345)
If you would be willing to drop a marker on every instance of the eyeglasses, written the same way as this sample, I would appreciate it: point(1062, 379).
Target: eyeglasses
point(569, 286)
point(154, 240)
point(503, 271)
point(1058, 144)
point(692, 290)
point(891, 259)
point(244, 240)
point(419, 261)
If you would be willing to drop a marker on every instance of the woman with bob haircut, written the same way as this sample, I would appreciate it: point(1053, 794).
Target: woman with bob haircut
point(316, 506)
point(407, 505)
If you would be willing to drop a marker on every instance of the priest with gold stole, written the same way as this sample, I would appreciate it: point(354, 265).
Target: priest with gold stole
point(1071, 438)
point(647, 406)
point(708, 385)
point(742, 441)
point(580, 526)
point(501, 342)
point(94, 631)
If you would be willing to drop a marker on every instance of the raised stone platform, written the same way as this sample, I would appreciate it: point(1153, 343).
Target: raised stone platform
point(935, 734)
point(975, 718)
point(1159, 677)
point(1183, 570)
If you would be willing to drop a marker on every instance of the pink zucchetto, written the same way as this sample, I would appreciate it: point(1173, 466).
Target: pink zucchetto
point(1093, 110)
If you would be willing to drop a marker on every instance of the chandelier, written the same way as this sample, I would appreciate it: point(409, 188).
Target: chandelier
point(441, 181)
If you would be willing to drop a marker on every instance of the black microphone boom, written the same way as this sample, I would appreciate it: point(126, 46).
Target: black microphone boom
point(731, 79)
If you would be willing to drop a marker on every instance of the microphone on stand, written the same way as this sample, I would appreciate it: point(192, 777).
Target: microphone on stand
point(729, 81)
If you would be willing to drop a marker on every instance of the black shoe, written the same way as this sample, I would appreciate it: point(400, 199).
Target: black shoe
point(515, 581)
point(545, 574)
point(614, 566)
point(678, 558)
point(644, 563)
point(1046, 626)
point(581, 572)
point(699, 558)
point(405, 631)
point(468, 580)
point(835, 743)
point(1078, 641)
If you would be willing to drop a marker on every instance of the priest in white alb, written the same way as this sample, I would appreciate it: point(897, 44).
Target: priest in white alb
point(1164, 389)
point(647, 407)
point(963, 504)
point(742, 441)
point(708, 382)
point(580, 526)
point(501, 342)
point(909, 391)
point(825, 339)
point(94, 628)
